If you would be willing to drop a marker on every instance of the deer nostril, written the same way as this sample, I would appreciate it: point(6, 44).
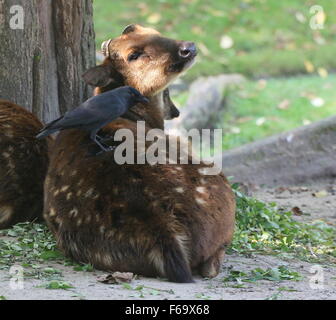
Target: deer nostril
point(184, 53)
point(187, 49)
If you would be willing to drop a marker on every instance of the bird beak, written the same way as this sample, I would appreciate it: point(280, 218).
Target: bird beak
point(143, 100)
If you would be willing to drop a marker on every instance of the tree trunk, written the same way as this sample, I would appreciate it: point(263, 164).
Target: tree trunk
point(43, 55)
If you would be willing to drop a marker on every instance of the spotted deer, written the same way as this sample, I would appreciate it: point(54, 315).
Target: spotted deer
point(23, 165)
point(167, 220)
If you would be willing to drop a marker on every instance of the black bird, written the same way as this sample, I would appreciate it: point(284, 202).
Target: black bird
point(96, 112)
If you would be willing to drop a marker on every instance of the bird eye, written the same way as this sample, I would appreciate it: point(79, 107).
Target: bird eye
point(134, 56)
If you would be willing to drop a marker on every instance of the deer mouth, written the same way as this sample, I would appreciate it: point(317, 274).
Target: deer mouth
point(183, 65)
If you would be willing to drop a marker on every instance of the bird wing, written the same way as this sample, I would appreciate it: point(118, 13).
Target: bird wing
point(76, 118)
point(96, 111)
point(79, 117)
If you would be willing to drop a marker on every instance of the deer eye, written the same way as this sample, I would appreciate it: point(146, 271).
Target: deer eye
point(134, 56)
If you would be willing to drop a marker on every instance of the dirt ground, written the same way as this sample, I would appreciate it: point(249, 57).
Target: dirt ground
point(315, 203)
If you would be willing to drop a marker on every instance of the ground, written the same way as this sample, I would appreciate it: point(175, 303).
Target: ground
point(86, 285)
point(241, 277)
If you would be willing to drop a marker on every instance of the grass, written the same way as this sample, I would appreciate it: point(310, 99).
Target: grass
point(280, 273)
point(30, 246)
point(266, 229)
point(141, 291)
point(260, 109)
point(28, 243)
point(57, 285)
point(269, 38)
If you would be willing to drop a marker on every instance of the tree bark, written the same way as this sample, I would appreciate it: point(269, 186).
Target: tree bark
point(41, 65)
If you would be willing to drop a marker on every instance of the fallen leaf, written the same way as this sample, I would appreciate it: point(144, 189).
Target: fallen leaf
point(320, 194)
point(323, 73)
point(317, 102)
point(197, 30)
point(283, 105)
point(309, 66)
point(320, 17)
point(319, 39)
point(291, 46)
point(280, 189)
point(308, 95)
point(241, 53)
point(235, 130)
point(154, 18)
point(244, 119)
point(261, 84)
point(116, 278)
point(226, 42)
point(260, 121)
point(300, 17)
point(216, 13)
point(144, 9)
point(297, 211)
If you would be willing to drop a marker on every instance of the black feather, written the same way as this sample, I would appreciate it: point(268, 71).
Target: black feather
point(96, 112)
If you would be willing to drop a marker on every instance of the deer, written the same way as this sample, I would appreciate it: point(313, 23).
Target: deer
point(165, 220)
point(23, 165)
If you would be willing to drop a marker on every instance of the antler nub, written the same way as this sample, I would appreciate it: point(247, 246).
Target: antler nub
point(105, 48)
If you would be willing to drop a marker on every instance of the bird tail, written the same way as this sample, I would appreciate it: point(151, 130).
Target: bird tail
point(48, 129)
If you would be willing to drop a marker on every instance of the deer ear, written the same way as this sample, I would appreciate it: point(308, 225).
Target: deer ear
point(103, 75)
point(98, 76)
point(130, 28)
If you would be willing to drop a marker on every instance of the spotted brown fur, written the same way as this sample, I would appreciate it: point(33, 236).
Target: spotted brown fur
point(23, 165)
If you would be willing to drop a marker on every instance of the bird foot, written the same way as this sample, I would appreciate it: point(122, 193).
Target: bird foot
point(104, 138)
point(109, 148)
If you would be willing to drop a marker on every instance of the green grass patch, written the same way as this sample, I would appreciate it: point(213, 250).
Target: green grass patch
point(142, 291)
point(280, 273)
point(84, 268)
point(28, 242)
point(269, 38)
point(264, 228)
point(258, 109)
point(57, 285)
point(30, 245)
